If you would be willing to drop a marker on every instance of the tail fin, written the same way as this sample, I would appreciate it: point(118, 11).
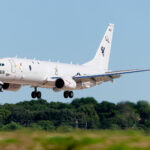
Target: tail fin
point(101, 59)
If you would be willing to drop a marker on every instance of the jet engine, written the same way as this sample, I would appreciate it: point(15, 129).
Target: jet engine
point(11, 87)
point(65, 83)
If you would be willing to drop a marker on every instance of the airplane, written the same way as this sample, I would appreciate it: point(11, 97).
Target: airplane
point(17, 72)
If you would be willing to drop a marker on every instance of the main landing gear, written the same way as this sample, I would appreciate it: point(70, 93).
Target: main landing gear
point(36, 93)
point(68, 94)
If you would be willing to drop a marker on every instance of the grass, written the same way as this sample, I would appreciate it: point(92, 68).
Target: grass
point(77, 140)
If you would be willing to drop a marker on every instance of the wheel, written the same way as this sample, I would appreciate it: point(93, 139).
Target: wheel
point(1, 88)
point(66, 94)
point(71, 94)
point(38, 94)
point(33, 94)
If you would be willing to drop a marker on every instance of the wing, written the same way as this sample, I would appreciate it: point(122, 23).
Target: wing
point(87, 81)
point(108, 76)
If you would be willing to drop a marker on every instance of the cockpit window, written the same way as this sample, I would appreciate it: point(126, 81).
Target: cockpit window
point(1, 64)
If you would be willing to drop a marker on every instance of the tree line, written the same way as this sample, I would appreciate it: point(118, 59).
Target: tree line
point(85, 113)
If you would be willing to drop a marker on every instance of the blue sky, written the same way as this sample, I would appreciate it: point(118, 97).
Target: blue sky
point(70, 31)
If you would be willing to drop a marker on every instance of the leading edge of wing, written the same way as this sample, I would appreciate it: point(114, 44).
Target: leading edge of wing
point(112, 73)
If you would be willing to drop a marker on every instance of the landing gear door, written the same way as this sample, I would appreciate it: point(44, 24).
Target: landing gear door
point(13, 66)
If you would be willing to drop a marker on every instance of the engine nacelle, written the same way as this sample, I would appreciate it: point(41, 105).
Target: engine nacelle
point(65, 83)
point(11, 87)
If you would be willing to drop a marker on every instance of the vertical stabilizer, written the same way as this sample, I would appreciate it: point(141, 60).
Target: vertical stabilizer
point(101, 59)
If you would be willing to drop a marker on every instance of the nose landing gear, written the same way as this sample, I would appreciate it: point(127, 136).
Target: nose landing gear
point(36, 93)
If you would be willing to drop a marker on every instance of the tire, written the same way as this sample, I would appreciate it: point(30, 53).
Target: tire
point(38, 94)
point(1, 88)
point(33, 94)
point(71, 94)
point(66, 94)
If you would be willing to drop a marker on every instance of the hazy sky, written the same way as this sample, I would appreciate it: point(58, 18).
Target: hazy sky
point(70, 31)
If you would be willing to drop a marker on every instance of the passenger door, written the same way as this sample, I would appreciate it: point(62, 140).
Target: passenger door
point(16, 70)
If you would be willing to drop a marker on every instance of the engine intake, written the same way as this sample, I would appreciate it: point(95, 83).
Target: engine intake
point(59, 83)
point(65, 83)
point(5, 86)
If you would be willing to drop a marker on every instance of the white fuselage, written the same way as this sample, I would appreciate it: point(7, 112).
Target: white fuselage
point(37, 73)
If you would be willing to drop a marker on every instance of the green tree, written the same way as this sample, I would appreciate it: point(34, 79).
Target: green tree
point(11, 126)
point(127, 116)
point(78, 102)
point(4, 115)
point(107, 112)
point(143, 109)
point(46, 125)
point(87, 116)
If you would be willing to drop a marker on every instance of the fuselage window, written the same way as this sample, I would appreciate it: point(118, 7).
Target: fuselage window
point(30, 68)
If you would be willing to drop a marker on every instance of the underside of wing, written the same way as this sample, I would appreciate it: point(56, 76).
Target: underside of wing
point(108, 76)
